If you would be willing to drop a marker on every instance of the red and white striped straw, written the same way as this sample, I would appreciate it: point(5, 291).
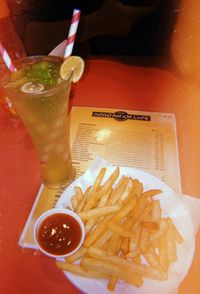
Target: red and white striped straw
point(72, 33)
point(6, 58)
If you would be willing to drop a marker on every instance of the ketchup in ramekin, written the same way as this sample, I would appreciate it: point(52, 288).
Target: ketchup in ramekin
point(59, 232)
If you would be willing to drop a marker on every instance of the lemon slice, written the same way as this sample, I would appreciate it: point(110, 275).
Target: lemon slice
point(73, 65)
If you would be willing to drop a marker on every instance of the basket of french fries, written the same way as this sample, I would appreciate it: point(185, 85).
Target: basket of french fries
point(135, 238)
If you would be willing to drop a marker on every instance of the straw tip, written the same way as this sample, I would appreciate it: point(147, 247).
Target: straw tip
point(76, 10)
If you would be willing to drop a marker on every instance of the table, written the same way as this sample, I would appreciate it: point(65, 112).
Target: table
point(106, 83)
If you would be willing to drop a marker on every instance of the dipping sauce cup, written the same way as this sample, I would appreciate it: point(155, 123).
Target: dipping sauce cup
point(59, 232)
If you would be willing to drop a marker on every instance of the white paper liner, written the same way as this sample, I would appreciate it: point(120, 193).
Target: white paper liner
point(182, 209)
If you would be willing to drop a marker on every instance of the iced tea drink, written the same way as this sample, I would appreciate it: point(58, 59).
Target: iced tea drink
point(40, 98)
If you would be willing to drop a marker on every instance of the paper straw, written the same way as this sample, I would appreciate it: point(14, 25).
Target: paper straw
point(6, 58)
point(72, 33)
point(10, 66)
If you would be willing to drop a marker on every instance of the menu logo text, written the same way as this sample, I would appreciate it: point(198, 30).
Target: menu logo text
point(121, 115)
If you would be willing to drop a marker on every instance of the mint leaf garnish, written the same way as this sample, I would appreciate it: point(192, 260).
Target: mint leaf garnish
point(43, 72)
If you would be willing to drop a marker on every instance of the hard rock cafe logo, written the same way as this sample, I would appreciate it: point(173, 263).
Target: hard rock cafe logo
point(121, 115)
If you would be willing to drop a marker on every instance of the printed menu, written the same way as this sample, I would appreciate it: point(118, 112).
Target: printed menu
point(138, 139)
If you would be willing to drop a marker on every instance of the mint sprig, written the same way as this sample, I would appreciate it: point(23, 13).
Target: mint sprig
point(43, 72)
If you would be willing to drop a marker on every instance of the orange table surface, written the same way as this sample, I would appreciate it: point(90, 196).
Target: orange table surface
point(106, 83)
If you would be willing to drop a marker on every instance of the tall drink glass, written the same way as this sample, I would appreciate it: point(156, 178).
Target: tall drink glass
point(43, 108)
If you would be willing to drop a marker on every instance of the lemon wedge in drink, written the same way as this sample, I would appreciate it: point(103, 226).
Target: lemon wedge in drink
point(73, 65)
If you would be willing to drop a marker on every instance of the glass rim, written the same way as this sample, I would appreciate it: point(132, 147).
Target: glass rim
point(20, 62)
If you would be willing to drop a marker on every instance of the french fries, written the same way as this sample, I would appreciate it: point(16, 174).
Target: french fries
point(107, 268)
point(126, 236)
point(98, 212)
point(78, 270)
point(127, 265)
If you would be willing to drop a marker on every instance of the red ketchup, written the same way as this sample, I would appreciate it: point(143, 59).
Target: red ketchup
point(59, 234)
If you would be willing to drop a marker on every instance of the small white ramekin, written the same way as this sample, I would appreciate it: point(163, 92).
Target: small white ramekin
point(56, 211)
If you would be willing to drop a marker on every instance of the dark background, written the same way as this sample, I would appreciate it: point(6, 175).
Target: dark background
point(150, 36)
